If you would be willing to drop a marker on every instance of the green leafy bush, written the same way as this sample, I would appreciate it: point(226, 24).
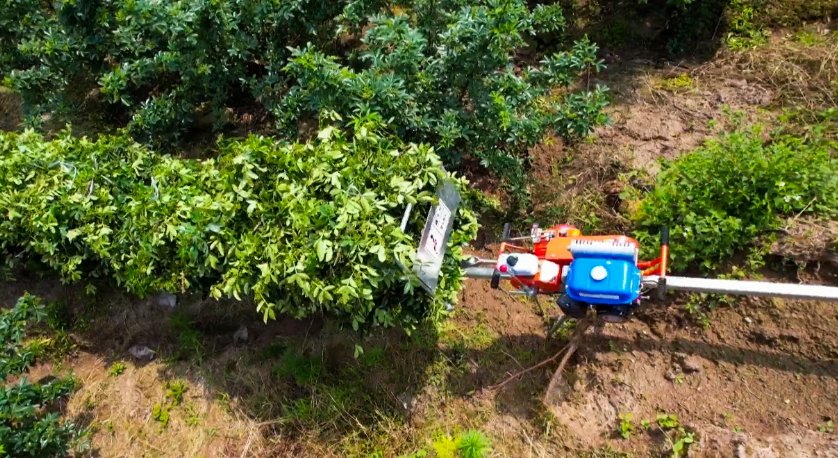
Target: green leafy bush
point(450, 80)
point(27, 430)
point(162, 61)
point(720, 197)
point(440, 71)
point(301, 228)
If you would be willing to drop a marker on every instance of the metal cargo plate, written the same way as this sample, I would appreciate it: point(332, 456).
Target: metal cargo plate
point(435, 236)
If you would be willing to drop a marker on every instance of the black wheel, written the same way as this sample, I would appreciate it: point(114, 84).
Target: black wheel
point(571, 307)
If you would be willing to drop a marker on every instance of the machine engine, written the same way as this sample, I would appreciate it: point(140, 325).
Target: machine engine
point(586, 272)
point(603, 275)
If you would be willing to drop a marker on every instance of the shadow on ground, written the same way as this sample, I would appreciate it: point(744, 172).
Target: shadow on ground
point(299, 380)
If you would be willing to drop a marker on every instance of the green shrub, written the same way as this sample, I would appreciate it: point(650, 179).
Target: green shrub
point(440, 71)
point(450, 81)
point(162, 61)
point(301, 228)
point(696, 25)
point(26, 427)
point(688, 23)
point(720, 197)
point(743, 32)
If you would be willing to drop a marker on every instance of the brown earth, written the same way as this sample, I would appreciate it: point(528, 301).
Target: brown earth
point(758, 382)
point(11, 115)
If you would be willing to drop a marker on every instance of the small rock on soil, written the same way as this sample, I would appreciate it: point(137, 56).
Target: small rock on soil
point(241, 335)
point(167, 300)
point(141, 352)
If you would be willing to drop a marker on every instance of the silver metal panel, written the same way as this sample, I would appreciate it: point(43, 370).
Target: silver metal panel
point(483, 273)
point(753, 288)
point(435, 237)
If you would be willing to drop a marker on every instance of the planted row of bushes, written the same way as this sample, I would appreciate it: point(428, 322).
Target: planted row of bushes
point(738, 187)
point(301, 228)
point(444, 72)
point(28, 429)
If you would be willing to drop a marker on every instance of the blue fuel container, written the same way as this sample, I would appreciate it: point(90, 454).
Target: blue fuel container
point(603, 279)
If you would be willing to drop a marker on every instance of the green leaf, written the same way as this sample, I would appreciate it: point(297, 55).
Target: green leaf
point(167, 223)
point(324, 250)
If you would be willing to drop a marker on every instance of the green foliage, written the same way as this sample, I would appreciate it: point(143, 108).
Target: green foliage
point(743, 33)
point(160, 412)
point(190, 343)
point(163, 63)
point(27, 427)
point(117, 369)
point(446, 76)
point(678, 438)
point(626, 427)
point(442, 71)
point(827, 427)
point(302, 228)
point(175, 391)
point(373, 357)
point(677, 83)
point(444, 446)
point(680, 445)
point(667, 421)
point(719, 198)
point(304, 369)
point(472, 444)
point(419, 454)
point(695, 307)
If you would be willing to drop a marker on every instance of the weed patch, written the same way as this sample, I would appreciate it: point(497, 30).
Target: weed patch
point(718, 199)
point(676, 83)
point(27, 430)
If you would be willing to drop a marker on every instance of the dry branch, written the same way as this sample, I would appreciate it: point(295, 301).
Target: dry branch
point(567, 350)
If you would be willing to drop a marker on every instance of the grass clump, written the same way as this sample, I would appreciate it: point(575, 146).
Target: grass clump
point(471, 444)
point(117, 369)
point(719, 198)
point(677, 83)
point(303, 369)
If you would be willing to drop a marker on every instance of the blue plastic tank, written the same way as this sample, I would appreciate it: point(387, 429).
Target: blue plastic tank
point(603, 280)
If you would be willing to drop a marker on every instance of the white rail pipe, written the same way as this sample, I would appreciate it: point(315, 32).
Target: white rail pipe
point(748, 288)
point(483, 273)
point(715, 286)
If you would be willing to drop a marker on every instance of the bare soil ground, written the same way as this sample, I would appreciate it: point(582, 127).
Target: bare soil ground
point(758, 382)
point(11, 115)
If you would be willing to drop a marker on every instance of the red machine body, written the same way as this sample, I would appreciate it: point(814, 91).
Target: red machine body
point(552, 248)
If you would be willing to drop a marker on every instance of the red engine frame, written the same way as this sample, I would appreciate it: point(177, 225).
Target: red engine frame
point(554, 245)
